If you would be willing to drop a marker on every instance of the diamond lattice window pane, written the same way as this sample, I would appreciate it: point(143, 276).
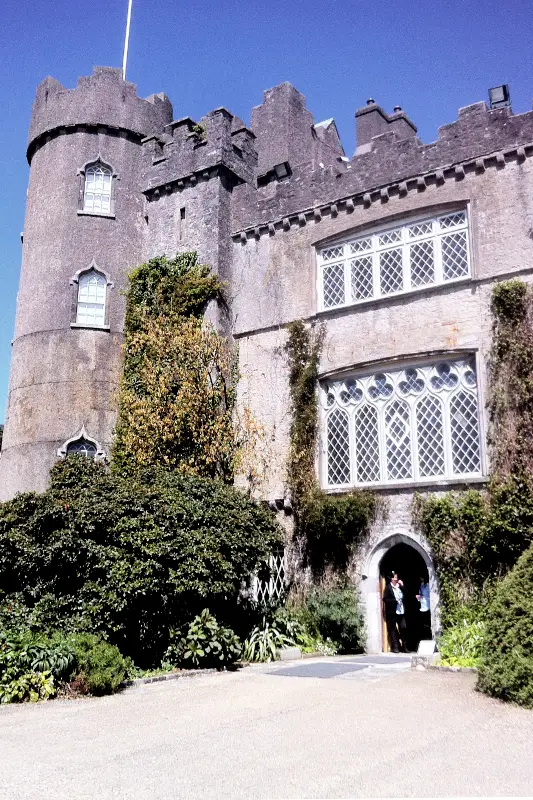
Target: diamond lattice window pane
point(420, 229)
point(465, 434)
point(338, 440)
point(360, 245)
point(362, 280)
point(390, 237)
point(398, 440)
point(422, 261)
point(454, 255)
point(367, 444)
point(391, 271)
point(334, 285)
point(430, 437)
point(274, 588)
point(452, 220)
point(332, 253)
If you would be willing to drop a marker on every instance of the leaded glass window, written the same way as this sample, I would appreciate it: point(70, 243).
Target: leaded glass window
point(82, 447)
point(92, 287)
point(97, 189)
point(406, 258)
point(418, 423)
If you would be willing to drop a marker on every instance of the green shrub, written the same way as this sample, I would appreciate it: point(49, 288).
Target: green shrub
point(333, 613)
point(461, 644)
point(28, 686)
point(31, 666)
point(206, 644)
point(100, 666)
point(128, 559)
point(506, 670)
point(293, 622)
point(264, 641)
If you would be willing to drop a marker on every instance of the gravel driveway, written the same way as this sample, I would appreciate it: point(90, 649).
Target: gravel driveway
point(264, 734)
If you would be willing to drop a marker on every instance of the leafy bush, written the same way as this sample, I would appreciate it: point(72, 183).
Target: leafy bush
point(333, 613)
point(206, 644)
point(264, 642)
point(100, 666)
point(32, 666)
point(461, 644)
point(506, 670)
point(128, 559)
point(28, 686)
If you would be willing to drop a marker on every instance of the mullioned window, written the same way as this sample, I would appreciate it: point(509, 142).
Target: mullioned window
point(405, 258)
point(415, 424)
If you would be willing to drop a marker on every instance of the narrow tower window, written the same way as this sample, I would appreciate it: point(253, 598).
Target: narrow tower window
point(91, 299)
point(97, 190)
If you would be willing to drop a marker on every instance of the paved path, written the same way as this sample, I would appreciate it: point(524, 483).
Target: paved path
point(264, 734)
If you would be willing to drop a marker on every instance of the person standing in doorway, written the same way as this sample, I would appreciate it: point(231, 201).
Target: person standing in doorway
point(395, 613)
point(425, 609)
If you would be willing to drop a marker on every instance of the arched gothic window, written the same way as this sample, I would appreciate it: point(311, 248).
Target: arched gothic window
point(82, 447)
point(81, 444)
point(97, 189)
point(92, 289)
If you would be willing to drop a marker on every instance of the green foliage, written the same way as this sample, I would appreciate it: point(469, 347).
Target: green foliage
point(264, 641)
point(164, 287)
point(100, 666)
point(206, 644)
point(296, 624)
point(30, 666)
point(461, 644)
point(333, 613)
point(128, 559)
point(511, 380)
point(506, 671)
point(476, 537)
point(177, 395)
point(303, 350)
point(33, 665)
point(28, 686)
point(331, 526)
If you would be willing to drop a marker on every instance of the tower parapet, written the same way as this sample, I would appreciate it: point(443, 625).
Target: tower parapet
point(101, 99)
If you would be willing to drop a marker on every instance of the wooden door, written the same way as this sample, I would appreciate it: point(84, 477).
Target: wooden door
point(384, 631)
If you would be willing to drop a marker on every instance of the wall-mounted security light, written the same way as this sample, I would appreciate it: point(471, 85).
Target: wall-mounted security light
point(499, 96)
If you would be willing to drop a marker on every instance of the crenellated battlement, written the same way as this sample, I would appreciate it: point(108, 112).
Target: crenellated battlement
point(188, 149)
point(389, 158)
point(101, 99)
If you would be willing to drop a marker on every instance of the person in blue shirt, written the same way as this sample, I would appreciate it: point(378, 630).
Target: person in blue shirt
point(425, 608)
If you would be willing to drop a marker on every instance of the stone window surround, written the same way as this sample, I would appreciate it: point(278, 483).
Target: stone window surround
point(74, 282)
point(82, 212)
point(405, 361)
point(82, 434)
point(389, 223)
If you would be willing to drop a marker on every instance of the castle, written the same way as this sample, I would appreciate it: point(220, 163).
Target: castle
point(395, 250)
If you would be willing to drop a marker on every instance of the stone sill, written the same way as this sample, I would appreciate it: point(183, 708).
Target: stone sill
point(90, 327)
point(82, 213)
point(412, 485)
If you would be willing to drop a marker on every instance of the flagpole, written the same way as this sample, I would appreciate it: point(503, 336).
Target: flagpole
point(126, 41)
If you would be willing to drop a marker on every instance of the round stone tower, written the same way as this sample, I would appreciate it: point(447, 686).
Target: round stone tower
point(83, 232)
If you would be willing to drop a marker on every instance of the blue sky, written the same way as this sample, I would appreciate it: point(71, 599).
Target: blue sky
point(430, 58)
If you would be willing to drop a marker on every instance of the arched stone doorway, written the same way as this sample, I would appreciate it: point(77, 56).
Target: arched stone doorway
point(376, 561)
